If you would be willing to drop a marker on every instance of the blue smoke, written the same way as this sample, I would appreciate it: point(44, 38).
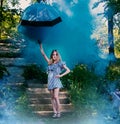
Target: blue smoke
point(71, 37)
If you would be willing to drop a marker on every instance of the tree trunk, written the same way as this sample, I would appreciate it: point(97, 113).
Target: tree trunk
point(1, 5)
point(110, 35)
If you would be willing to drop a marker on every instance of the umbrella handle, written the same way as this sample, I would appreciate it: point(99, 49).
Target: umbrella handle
point(40, 1)
point(39, 42)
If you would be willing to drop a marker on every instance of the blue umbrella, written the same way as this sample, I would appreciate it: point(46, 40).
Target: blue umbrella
point(38, 20)
point(40, 14)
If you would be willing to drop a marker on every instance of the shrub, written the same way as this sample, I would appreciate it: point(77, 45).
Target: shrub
point(33, 71)
point(79, 77)
point(113, 71)
point(14, 99)
point(84, 87)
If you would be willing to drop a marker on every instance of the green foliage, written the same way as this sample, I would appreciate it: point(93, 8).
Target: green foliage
point(111, 4)
point(88, 102)
point(117, 47)
point(80, 77)
point(9, 18)
point(87, 91)
point(115, 4)
point(21, 105)
point(113, 71)
point(3, 70)
point(34, 72)
point(14, 98)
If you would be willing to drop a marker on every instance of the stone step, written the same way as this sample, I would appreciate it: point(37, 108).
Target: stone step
point(13, 61)
point(6, 44)
point(63, 100)
point(15, 84)
point(50, 113)
point(40, 99)
point(36, 84)
point(18, 61)
point(15, 75)
point(48, 107)
point(45, 95)
point(7, 49)
point(40, 90)
point(12, 44)
point(9, 54)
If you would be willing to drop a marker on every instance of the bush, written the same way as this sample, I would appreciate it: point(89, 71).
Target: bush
point(86, 91)
point(113, 71)
point(14, 99)
point(79, 77)
point(33, 71)
point(21, 105)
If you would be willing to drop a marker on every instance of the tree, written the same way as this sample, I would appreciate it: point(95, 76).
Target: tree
point(111, 8)
point(9, 17)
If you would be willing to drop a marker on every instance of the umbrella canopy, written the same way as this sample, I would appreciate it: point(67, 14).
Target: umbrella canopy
point(40, 14)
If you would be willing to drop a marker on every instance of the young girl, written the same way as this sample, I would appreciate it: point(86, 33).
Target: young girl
point(55, 67)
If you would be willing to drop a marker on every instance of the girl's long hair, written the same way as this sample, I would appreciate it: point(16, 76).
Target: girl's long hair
point(58, 57)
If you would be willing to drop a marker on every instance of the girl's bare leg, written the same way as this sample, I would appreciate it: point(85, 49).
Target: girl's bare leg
point(53, 101)
point(56, 98)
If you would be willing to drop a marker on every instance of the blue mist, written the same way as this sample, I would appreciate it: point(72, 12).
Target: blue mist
point(71, 37)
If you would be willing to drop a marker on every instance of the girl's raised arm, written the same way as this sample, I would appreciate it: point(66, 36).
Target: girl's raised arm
point(43, 53)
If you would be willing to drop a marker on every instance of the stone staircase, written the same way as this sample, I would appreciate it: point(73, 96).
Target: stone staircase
point(40, 100)
point(10, 85)
point(38, 94)
point(10, 56)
